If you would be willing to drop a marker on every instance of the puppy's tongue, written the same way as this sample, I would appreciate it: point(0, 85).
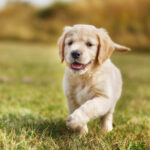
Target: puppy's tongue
point(77, 66)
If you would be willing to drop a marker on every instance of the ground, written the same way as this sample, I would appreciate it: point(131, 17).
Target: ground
point(33, 109)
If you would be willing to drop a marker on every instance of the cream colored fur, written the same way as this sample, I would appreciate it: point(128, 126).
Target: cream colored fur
point(93, 91)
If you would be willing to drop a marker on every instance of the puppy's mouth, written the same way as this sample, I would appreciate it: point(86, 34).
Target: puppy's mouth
point(79, 66)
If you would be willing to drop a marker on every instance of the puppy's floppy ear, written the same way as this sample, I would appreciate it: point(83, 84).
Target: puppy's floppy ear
point(121, 48)
point(61, 42)
point(107, 46)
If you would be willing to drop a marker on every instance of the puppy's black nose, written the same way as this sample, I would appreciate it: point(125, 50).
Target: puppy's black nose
point(75, 54)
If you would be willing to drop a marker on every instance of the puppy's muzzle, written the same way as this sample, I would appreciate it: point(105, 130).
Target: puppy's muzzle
point(75, 54)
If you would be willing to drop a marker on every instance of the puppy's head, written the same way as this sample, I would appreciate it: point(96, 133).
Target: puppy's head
point(84, 46)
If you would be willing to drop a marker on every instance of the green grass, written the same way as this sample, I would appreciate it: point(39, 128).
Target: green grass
point(33, 108)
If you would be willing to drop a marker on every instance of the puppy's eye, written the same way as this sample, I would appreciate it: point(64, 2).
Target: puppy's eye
point(89, 44)
point(70, 43)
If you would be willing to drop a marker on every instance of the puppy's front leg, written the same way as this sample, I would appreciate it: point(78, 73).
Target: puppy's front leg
point(72, 105)
point(90, 110)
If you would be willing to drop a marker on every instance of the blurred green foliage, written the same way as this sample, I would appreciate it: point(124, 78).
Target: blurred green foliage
point(127, 21)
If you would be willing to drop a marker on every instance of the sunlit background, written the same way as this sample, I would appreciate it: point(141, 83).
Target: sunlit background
point(127, 21)
point(33, 109)
point(38, 3)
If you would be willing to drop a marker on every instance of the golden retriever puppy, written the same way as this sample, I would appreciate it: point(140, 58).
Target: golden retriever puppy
point(92, 83)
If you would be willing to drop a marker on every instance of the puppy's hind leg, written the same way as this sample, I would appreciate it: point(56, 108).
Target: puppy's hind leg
point(106, 122)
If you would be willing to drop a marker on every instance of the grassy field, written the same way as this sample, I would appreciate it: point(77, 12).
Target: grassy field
point(33, 108)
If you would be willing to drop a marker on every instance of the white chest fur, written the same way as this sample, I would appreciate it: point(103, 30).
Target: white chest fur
point(79, 91)
point(82, 94)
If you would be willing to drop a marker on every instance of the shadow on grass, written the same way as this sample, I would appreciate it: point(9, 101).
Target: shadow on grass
point(48, 128)
point(42, 129)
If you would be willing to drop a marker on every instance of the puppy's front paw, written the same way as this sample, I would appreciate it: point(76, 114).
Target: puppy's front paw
point(76, 120)
point(73, 122)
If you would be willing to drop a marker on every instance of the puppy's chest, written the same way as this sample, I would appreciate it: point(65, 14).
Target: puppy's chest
point(80, 93)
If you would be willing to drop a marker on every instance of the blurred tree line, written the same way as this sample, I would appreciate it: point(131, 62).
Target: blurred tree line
point(127, 21)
